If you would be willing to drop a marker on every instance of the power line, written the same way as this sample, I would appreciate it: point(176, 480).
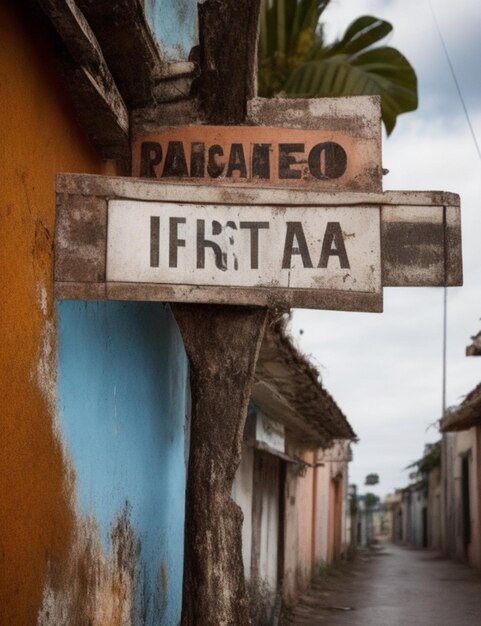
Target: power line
point(453, 73)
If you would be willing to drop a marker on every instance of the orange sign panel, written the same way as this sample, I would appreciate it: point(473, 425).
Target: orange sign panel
point(261, 156)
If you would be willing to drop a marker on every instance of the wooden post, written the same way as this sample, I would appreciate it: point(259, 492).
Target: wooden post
point(222, 343)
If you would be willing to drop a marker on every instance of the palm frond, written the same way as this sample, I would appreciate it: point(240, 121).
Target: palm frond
point(295, 61)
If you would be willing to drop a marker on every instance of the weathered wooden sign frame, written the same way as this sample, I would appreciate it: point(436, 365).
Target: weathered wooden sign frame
point(420, 241)
point(326, 144)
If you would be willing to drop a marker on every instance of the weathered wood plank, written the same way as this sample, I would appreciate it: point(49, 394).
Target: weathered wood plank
point(421, 246)
point(222, 246)
point(453, 247)
point(98, 104)
point(266, 297)
point(228, 31)
point(421, 241)
point(268, 156)
point(80, 239)
point(119, 187)
point(326, 144)
point(146, 119)
point(281, 299)
point(128, 46)
point(80, 291)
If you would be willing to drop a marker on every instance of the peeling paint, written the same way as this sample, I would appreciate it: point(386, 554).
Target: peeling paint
point(98, 589)
point(39, 138)
point(45, 372)
point(122, 411)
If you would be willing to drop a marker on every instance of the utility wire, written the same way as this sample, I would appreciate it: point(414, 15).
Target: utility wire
point(453, 73)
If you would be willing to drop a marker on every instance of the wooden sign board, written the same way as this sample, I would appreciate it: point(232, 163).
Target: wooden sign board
point(325, 144)
point(127, 239)
point(273, 246)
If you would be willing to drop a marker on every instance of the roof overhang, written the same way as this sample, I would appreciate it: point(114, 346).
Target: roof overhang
point(474, 349)
point(467, 415)
point(287, 389)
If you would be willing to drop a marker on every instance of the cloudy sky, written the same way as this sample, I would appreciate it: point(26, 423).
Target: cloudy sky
point(385, 370)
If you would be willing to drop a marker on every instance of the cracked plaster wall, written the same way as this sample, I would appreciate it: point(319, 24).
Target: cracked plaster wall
point(63, 527)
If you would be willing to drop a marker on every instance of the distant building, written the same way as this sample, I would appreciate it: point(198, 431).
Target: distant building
point(292, 480)
point(394, 506)
point(415, 510)
point(441, 510)
point(462, 480)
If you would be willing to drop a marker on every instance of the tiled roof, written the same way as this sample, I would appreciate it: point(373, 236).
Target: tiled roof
point(467, 415)
point(288, 387)
point(474, 349)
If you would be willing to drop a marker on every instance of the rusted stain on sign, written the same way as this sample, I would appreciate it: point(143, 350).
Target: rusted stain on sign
point(125, 239)
point(230, 245)
point(422, 244)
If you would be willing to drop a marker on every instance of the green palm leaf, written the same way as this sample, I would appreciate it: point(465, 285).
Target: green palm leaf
point(362, 33)
point(295, 62)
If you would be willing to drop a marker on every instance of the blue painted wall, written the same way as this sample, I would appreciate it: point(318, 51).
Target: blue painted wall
point(122, 392)
point(175, 26)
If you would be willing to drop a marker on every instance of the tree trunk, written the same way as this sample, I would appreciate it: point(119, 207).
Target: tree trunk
point(222, 343)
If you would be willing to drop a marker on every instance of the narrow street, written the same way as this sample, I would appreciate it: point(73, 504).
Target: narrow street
point(393, 586)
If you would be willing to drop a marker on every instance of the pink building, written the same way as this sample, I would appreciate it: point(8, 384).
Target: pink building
point(292, 481)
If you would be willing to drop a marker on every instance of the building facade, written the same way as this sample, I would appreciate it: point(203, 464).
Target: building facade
point(462, 480)
point(292, 480)
point(96, 394)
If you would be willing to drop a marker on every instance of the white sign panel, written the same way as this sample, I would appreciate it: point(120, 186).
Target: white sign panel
point(295, 247)
point(270, 432)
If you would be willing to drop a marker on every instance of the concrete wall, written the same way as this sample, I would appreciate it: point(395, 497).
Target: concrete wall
point(321, 528)
point(40, 137)
point(122, 396)
point(106, 471)
point(476, 558)
point(315, 517)
point(266, 482)
point(256, 490)
point(466, 444)
point(448, 528)
point(417, 502)
point(242, 490)
point(331, 528)
point(396, 522)
point(434, 509)
point(298, 555)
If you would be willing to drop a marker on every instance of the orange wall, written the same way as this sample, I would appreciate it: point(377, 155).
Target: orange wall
point(40, 137)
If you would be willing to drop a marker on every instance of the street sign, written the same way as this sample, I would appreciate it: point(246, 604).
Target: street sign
point(329, 144)
point(253, 246)
point(130, 239)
